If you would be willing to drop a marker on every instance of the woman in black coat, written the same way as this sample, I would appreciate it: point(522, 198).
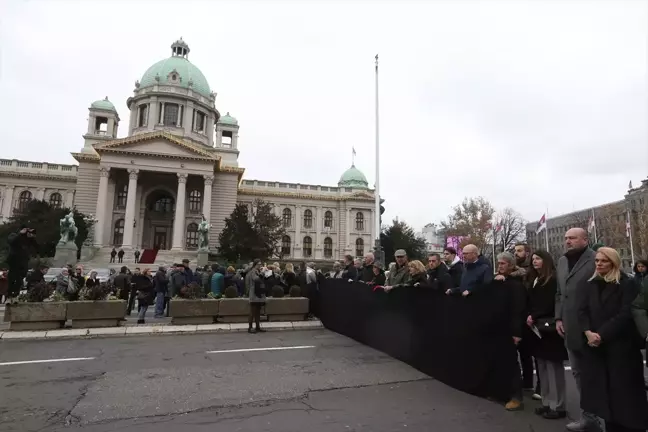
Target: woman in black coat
point(145, 293)
point(378, 274)
point(612, 381)
point(547, 346)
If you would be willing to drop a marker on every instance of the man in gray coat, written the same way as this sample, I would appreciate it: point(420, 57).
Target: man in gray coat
point(574, 269)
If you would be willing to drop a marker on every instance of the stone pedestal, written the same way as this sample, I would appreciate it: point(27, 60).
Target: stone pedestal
point(65, 254)
point(203, 258)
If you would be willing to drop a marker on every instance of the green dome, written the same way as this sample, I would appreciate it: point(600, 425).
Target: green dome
point(187, 73)
point(103, 104)
point(353, 177)
point(228, 119)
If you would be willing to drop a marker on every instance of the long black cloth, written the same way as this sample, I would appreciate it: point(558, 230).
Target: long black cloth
point(465, 342)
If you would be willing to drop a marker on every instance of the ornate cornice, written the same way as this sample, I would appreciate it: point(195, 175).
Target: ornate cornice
point(297, 195)
point(230, 169)
point(86, 157)
point(115, 144)
point(37, 176)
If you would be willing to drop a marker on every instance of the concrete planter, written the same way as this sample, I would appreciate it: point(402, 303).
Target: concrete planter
point(234, 310)
point(199, 311)
point(287, 308)
point(36, 316)
point(92, 314)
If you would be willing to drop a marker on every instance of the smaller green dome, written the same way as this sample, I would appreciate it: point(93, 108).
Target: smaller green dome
point(103, 104)
point(353, 177)
point(228, 119)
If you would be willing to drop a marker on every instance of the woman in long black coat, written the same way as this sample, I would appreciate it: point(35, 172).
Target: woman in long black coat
point(612, 381)
point(548, 349)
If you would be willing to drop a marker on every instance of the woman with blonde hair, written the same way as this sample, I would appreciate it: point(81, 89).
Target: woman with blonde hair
point(612, 384)
point(418, 276)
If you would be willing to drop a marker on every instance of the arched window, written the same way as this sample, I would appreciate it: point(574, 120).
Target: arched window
point(23, 200)
point(359, 247)
point(195, 201)
point(328, 219)
point(287, 217)
point(56, 200)
point(308, 246)
point(122, 195)
point(192, 236)
point(328, 247)
point(285, 245)
point(163, 204)
point(308, 218)
point(118, 232)
point(359, 221)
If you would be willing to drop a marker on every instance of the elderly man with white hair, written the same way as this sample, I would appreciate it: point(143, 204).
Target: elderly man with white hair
point(476, 274)
point(366, 273)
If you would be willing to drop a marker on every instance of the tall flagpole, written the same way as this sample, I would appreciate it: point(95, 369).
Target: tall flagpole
point(629, 222)
point(377, 185)
point(594, 225)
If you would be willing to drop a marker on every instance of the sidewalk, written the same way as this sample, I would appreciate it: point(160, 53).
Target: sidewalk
point(160, 329)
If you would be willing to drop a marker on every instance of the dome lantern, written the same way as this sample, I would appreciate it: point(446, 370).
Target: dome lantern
point(180, 48)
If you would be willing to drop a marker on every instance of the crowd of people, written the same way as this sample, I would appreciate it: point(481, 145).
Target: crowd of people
point(583, 309)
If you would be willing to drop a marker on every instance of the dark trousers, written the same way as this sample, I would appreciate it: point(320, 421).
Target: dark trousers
point(112, 259)
point(15, 280)
point(615, 427)
point(136, 259)
point(255, 314)
point(526, 363)
point(121, 259)
point(131, 300)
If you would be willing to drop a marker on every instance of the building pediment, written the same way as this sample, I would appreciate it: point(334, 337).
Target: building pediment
point(156, 144)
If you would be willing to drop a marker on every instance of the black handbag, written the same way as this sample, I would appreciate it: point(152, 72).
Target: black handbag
point(546, 325)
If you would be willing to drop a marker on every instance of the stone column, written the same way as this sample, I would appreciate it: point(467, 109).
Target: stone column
point(7, 203)
point(110, 128)
point(101, 214)
point(152, 114)
point(207, 197)
point(91, 125)
point(40, 194)
point(129, 218)
point(179, 220)
point(350, 227)
point(298, 239)
point(188, 116)
point(162, 114)
point(318, 232)
point(69, 197)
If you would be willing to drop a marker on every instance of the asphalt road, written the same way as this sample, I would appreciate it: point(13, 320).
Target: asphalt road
point(323, 382)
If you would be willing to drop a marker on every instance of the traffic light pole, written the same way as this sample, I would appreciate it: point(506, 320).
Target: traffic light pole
point(378, 252)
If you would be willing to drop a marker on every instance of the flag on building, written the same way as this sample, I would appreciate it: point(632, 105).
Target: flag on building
point(591, 225)
point(628, 228)
point(630, 185)
point(542, 224)
point(353, 151)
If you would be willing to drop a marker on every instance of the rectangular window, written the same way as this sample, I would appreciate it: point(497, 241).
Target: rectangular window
point(199, 125)
point(143, 115)
point(170, 114)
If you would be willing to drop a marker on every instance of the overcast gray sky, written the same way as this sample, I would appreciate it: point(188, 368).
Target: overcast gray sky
point(516, 101)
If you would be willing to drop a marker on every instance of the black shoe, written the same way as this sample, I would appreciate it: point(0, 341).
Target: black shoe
point(542, 410)
point(251, 331)
point(554, 415)
point(140, 321)
point(260, 330)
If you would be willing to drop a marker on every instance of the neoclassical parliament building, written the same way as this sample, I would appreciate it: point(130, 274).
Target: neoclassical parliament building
point(178, 163)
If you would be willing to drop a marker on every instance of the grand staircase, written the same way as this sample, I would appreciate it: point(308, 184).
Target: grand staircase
point(164, 258)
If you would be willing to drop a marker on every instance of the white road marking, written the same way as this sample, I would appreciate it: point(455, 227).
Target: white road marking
point(261, 349)
point(46, 361)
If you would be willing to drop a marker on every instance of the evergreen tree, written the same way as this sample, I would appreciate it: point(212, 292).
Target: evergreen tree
point(44, 219)
point(251, 233)
point(399, 235)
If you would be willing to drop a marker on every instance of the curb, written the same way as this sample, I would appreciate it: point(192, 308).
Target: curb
point(157, 330)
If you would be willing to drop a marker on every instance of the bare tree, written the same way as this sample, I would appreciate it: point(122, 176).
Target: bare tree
point(512, 229)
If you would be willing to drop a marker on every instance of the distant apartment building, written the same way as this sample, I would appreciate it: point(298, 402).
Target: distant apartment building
point(434, 238)
point(609, 223)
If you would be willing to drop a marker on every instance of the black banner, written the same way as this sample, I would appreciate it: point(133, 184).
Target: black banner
point(464, 342)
